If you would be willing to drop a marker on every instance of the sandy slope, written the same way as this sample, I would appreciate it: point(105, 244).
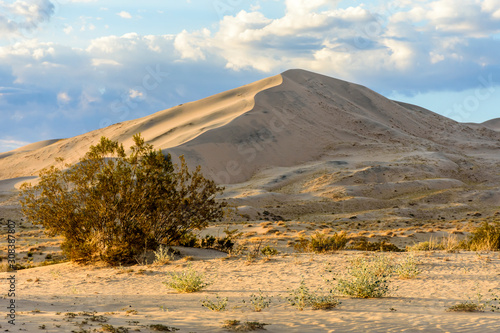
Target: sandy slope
point(493, 124)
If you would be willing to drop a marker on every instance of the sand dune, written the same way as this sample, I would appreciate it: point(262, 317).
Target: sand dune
point(303, 144)
point(493, 124)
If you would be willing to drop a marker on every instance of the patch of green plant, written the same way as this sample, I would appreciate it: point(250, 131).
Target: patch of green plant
point(302, 297)
point(269, 251)
point(188, 281)
point(258, 302)
point(163, 256)
point(162, 328)
point(366, 278)
point(237, 326)
point(380, 246)
point(219, 304)
point(406, 268)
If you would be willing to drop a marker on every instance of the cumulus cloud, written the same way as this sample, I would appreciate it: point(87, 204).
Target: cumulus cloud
point(382, 44)
point(20, 16)
point(124, 14)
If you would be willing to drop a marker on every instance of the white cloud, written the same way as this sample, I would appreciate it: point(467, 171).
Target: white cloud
point(63, 97)
point(9, 144)
point(124, 14)
point(20, 16)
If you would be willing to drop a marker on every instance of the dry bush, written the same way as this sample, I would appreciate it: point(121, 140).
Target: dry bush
point(113, 206)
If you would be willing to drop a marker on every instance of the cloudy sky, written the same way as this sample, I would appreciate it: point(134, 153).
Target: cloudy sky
point(71, 66)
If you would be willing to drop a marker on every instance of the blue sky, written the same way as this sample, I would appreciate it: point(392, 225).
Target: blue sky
point(71, 66)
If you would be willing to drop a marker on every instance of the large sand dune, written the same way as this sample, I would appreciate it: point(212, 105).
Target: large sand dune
point(302, 144)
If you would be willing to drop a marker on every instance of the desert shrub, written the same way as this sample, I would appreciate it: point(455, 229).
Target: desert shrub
point(269, 251)
point(485, 238)
point(407, 268)
point(188, 281)
point(237, 326)
point(113, 206)
point(162, 328)
point(223, 244)
point(319, 243)
point(163, 256)
point(219, 304)
point(381, 246)
point(259, 302)
point(302, 297)
point(322, 243)
point(466, 306)
point(366, 278)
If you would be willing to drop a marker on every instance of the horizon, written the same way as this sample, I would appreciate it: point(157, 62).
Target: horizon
point(73, 66)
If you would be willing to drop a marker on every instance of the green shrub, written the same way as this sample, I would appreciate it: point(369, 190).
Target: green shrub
point(163, 256)
point(259, 302)
point(366, 278)
point(113, 206)
point(380, 246)
point(219, 304)
point(302, 297)
point(269, 251)
point(319, 243)
point(407, 268)
point(188, 281)
point(485, 238)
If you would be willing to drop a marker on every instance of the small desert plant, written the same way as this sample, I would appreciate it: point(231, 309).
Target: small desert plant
point(485, 238)
point(302, 297)
point(188, 281)
point(162, 328)
point(269, 251)
point(112, 329)
point(381, 246)
point(430, 245)
point(237, 326)
point(321, 243)
point(466, 306)
point(406, 268)
point(259, 302)
point(163, 256)
point(219, 304)
point(366, 278)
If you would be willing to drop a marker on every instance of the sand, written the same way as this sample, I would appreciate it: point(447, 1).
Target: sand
point(298, 153)
point(134, 297)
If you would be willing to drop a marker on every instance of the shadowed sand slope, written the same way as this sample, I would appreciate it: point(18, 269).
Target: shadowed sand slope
point(282, 121)
point(493, 124)
point(164, 129)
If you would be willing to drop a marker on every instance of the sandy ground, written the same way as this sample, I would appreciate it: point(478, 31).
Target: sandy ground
point(134, 297)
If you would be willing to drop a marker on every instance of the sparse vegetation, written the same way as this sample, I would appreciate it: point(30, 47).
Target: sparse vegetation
point(485, 238)
point(259, 302)
point(302, 297)
point(407, 268)
point(466, 306)
point(380, 246)
point(112, 206)
point(237, 326)
point(163, 256)
point(320, 242)
point(162, 328)
point(269, 251)
point(188, 281)
point(366, 278)
point(219, 304)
